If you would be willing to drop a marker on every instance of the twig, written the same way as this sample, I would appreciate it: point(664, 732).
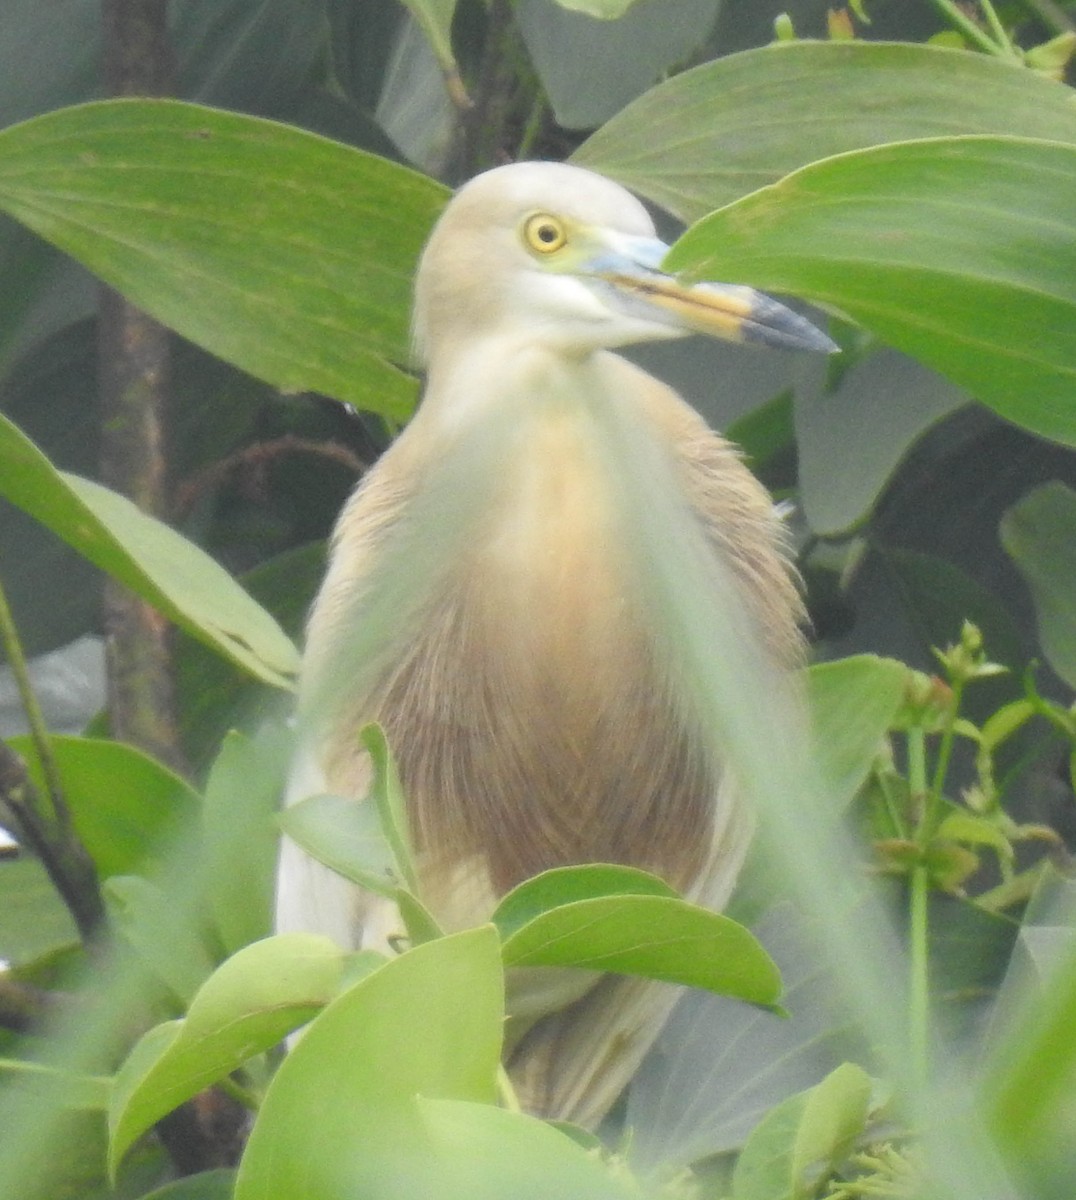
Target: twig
point(22, 1007)
point(257, 458)
point(62, 854)
point(973, 33)
point(12, 647)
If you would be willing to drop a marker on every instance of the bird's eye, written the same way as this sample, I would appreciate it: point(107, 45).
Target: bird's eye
point(544, 233)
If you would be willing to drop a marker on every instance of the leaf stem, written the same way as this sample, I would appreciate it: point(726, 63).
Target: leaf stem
point(919, 913)
point(57, 810)
point(945, 754)
point(994, 21)
point(919, 962)
point(969, 30)
point(506, 1091)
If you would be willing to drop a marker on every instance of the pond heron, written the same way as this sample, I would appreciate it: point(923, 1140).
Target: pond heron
point(487, 601)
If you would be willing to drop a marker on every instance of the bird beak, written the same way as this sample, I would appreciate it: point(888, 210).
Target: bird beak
point(631, 266)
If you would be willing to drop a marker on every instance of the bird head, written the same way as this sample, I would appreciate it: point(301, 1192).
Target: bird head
point(567, 258)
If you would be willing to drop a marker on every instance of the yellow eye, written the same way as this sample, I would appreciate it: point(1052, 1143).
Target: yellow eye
point(544, 233)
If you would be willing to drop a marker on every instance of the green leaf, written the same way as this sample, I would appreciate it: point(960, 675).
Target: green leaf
point(292, 257)
point(88, 1093)
point(1037, 533)
point(657, 937)
point(955, 250)
point(144, 917)
point(566, 885)
point(708, 136)
point(124, 804)
point(483, 1153)
point(206, 1185)
point(387, 795)
point(853, 702)
point(243, 1009)
point(33, 919)
point(148, 557)
point(798, 1143)
point(347, 836)
point(241, 799)
point(340, 1117)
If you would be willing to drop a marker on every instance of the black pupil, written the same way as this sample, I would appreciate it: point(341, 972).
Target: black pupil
point(547, 234)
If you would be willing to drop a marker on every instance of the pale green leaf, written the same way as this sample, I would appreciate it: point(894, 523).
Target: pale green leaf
point(345, 835)
point(239, 829)
point(566, 885)
point(148, 557)
point(172, 950)
point(799, 1142)
point(124, 804)
point(657, 937)
point(481, 1153)
point(712, 134)
point(340, 1117)
point(243, 1009)
point(388, 797)
point(853, 702)
point(280, 251)
point(88, 1093)
point(956, 250)
point(34, 921)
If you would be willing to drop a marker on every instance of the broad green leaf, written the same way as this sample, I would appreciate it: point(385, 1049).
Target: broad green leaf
point(1038, 534)
point(853, 702)
point(340, 1117)
point(347, 836)
point(566, 885)
point(657, 937)
point(244, 1008)
point(90, 1093)
point(954, 250)
point(476, 1152)
point(206, 1185)
point(124, 804)
point(366, 841)
point(712, 134)
point(144, 917)
point(148, 557)
point(33, 919)
point(292, 257)
point(242, 795)
point(801, 1140)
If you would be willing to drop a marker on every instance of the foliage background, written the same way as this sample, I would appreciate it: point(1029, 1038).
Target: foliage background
point(917, 505)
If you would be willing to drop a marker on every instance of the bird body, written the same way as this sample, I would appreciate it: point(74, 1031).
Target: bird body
point(532, 709)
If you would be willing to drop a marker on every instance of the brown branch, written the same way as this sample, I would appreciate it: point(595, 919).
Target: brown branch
point(63, 856)
point(134, 354)
point(257, 459)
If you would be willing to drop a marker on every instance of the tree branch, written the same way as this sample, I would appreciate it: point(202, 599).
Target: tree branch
point(134, 359)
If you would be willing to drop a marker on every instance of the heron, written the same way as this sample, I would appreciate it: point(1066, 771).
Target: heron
point(483, 602)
